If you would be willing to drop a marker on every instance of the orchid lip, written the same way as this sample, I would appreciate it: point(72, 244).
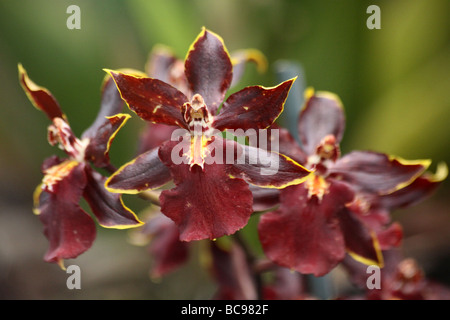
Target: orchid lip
point(55, 174)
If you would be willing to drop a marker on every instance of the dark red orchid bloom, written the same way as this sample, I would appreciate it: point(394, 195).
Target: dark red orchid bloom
point(402, 278)
point(164, 65)
point(211, 197)
point(69, 229)
point(344, 204)
point(374, 210)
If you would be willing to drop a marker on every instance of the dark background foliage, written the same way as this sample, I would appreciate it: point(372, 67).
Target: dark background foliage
point(393, 82)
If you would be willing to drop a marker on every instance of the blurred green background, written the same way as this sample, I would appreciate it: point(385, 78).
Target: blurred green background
point(394, 83)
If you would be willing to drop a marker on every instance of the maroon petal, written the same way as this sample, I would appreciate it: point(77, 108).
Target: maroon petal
point(143, 173)
point(97, 151)
point(41, 98)
point(379, 221)
point(420, 189)
point(377, 173)
point(267, 169)
point(108, 207)
point(110, 105)
point(390, 237)
point(151, 99)
point(69, 229)
point(253, 107)
point(361, 242)
point(304, 234)
point(208, 69)
point(321, 115)
point(206, 203)
point(290, 148)
point(264, 198)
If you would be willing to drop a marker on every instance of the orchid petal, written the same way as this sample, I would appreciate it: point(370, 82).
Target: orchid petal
point(142, 173)
point(208, 68)
point(377, 173)
point(267, 169)
point(253, 107)
point(151, 99)
point(322, 115)
point(69, 229)
point(97, 151)
point(41, 98)
point(108, 207)
point(205, 202)
point(304, 234)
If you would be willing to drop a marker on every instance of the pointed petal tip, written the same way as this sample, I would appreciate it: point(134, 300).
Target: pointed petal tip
point(125, 116)
point(308, 93)
point(60, 263)
point(21, 69)
point(441, 172)
point(423, 162)
point(128, 71)
point(109, 71)
point(40, 97)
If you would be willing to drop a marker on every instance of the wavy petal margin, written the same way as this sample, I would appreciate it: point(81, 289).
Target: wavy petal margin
point(304, 234)
point(420, 189)
point(68, 228)
point(267, 169)
point(151, 99)
point(377, 173)
point(205, 202)
point(253, 107)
